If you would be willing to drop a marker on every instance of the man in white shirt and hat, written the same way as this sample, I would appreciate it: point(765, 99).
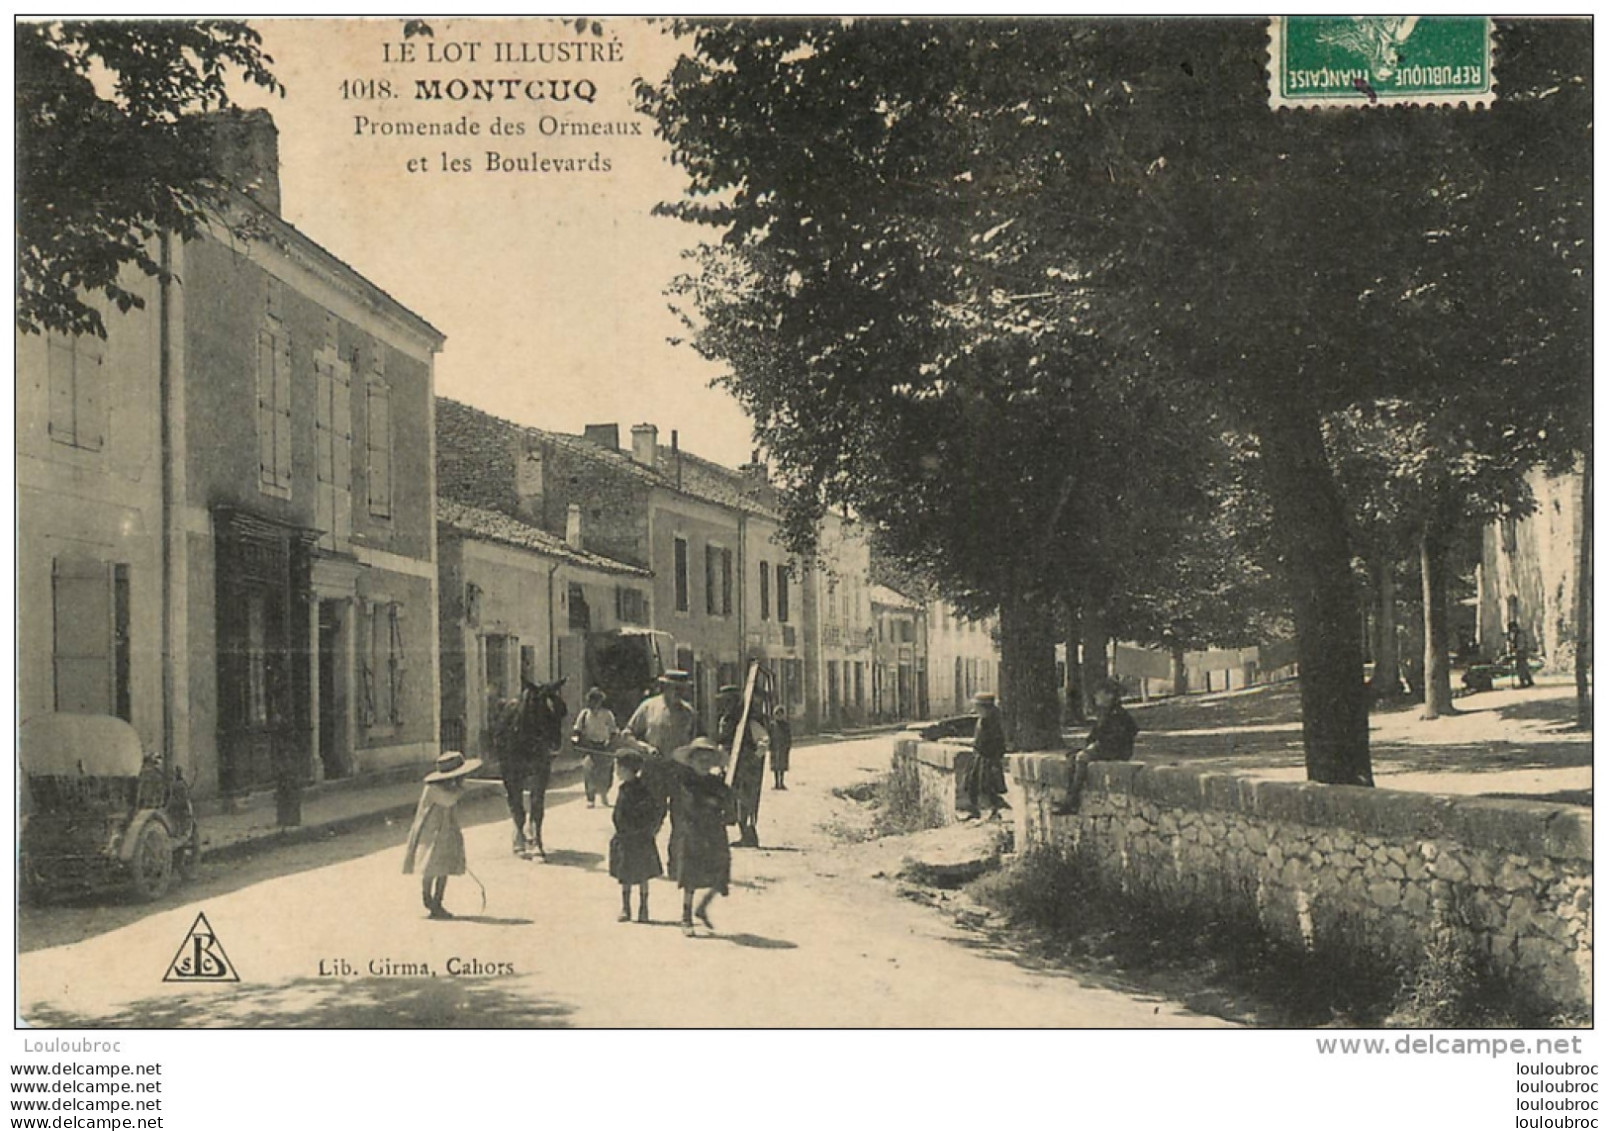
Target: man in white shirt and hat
point(662, 725)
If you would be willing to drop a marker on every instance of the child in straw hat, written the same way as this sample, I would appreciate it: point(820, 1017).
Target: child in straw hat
point(437, 835)
point(701, 808)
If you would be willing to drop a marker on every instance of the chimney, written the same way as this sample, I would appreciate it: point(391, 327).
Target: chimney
point(756, 470)
point(603, 435)
point(247, 147)
point(645, 444)
point(530, 485)
point(572, 526)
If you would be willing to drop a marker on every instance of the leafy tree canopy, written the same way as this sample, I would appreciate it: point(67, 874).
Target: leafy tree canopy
point(113, 149)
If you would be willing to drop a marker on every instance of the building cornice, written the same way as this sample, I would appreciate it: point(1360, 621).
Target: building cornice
point(274, 244)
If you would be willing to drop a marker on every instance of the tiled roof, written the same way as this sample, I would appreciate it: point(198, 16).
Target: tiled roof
point(700, 478)
point(724, 485)
point(494, 526)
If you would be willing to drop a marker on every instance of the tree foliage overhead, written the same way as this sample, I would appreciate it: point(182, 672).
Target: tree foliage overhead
point(1012, 239)
point(113, 149)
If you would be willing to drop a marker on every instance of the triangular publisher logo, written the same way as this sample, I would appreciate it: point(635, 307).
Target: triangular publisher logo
point(201, 957)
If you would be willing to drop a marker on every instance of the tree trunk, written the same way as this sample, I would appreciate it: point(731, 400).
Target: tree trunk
point(1180, 673)
point(1093, 669)
point(1028, 697)
point(1437, 668)
point(1583, 606)
point(1386, 683)
point(1310, 520)
point(1074, 637)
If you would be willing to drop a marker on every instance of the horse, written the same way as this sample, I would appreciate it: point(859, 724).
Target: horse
point(527, 733)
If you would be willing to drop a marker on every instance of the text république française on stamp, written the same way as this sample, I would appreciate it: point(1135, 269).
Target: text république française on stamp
point(1363, 61)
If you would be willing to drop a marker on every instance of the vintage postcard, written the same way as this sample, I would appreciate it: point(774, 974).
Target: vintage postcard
point(794, 524)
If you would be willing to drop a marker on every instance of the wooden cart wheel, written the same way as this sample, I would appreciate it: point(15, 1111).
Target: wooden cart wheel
point(151, 866)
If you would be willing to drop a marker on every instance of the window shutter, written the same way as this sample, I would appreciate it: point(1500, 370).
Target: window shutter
point(282, 411)
point(324, 424)
point(379, 449)
point(62, 401)
point(709, 592)
point(399, 664)
point(89, 413)
point(82, 650)
point(366, 663)
point(265, 407)
point(342, 425)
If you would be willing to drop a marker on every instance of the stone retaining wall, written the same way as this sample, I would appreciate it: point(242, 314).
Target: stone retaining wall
point(1377, 869)
point(1374, 870)
point(939, 768)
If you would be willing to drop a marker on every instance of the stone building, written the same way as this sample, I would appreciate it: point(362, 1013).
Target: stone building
point(91, 635)
point(1530, 572)
point(962, 658)
point(518, 603)
point(636, 507)
point(768, 610)
point(228, 507)
point(840, 632)
point(899, 656)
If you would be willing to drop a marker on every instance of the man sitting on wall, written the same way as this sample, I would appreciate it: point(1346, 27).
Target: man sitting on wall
point(1110, 739)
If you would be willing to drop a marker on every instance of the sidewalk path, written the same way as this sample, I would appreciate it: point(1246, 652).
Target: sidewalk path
point(1507, 742)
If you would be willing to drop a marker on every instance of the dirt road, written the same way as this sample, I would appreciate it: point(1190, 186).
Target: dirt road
point(808, 938)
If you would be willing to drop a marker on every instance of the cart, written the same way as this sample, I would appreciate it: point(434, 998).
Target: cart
point(98, 813)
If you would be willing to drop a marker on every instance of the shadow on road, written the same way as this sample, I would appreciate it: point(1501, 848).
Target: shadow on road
point(758, 942)
point(571, 858)
point(492, 921)
point(319, 1003)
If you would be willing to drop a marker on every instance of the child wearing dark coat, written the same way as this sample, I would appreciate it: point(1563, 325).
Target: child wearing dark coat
point(633, 853)
point(781, 744)
point(700, 809)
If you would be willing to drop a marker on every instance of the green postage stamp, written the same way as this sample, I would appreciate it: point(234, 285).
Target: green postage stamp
point(1362, 61)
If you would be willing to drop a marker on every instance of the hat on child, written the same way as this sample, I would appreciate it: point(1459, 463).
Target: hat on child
point(683, 754)
point(451, 765)
point(596, 695)
point(675, 675)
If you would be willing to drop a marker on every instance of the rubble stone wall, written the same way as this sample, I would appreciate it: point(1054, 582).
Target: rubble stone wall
point(939, 768)
point(1380, 869)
